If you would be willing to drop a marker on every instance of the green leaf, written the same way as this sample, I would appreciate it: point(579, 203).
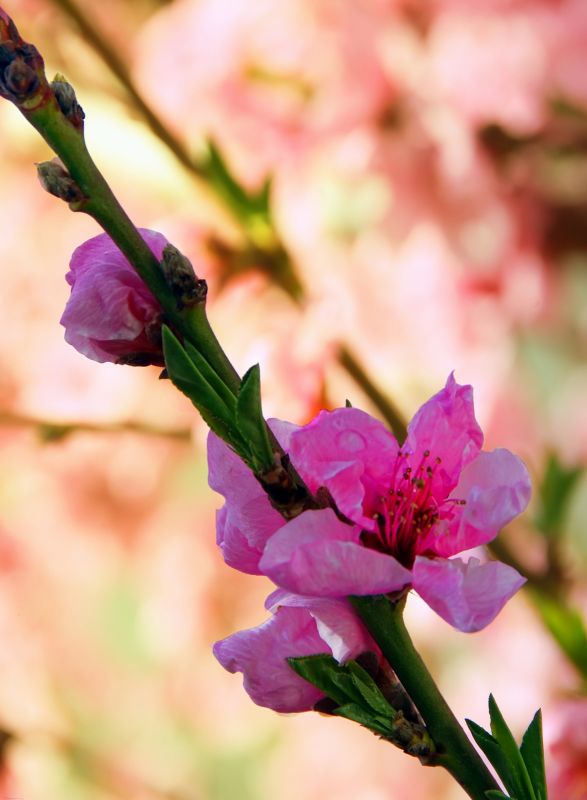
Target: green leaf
point(495, 794)
point(532, 750)
point(494, 753)
point(250, 421)
point(322, 671)
point(567, 627)
point(243, 203)
point(555, 492)
point(369, 690)
point(357, 713)
point(522, 785)
point(210, 375)
point(192, 383)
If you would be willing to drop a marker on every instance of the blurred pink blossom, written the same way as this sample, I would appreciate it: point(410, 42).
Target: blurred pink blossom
point(266, 85)
point(567, 765)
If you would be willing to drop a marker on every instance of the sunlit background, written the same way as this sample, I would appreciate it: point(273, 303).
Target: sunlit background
point(428, 170)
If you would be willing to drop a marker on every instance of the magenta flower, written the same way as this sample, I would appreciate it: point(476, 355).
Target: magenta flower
point(299, 626)
point(111, 314)
point(408, 510)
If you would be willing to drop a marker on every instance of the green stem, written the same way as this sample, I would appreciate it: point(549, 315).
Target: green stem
point(101, 204)
point(456, 753)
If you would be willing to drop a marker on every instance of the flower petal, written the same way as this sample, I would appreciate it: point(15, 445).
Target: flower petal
point(236, 550)
point(248, 519)
point(351, 454)
point(468, 596)
point(110, 306)
point(446, 427)
point(338, 624)
point(260, 654)
point(496, 488)
point(317, 554)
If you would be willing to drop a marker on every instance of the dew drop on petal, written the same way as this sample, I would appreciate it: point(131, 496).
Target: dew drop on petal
point(351, 441)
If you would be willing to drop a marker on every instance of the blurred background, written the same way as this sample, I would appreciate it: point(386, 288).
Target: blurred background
point(378, 192)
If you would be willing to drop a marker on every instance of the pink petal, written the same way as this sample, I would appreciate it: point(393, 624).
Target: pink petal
point(496, 488)
point(338, 625)
point(283, 431)
point(248, 519)
point(446, 427)
point(260, 653)
point(468, 596)
point(110, 306)
point(351, 454)
point(236, 550)
point(317, 554)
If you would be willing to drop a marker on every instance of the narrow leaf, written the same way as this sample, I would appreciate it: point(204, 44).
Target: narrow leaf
point(321, 671)
point(192, 383)
point(211, 377)
point(522, 785)
point(250, 420)
point(495, 794)
point(358, 714)
point(494, 753)
point(532, 751)
point(369, 690)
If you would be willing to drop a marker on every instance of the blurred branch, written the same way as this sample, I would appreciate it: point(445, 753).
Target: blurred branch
point(101, 45)
point(381, 401)
point(49, 431)
point(271, 255)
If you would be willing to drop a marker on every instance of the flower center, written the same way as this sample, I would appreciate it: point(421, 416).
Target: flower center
point(408, 511)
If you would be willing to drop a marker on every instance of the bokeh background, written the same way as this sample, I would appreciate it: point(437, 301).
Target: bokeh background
point(428, 169)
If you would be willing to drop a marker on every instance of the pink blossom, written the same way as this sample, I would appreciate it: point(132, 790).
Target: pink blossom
point(274, 84)
point(405, 511)
point(566, 756)
point(299, 626)
point(111, 314)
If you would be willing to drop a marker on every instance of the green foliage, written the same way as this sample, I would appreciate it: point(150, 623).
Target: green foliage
point(352, 688)
point(567, 627)
point(193, 381)
point(554, 494)
point(521, 769)
point(246, 205)
point(237, 419)
point(249, 418)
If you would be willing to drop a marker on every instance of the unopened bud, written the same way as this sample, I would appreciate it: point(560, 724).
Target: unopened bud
point(22, 76)
point(56, 180)
point(19, 80)
point(67, 101)
point(187, 288)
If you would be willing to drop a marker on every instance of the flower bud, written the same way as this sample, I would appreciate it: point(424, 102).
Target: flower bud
point(56, 180)
point(67, 101)
point(22, 76)
point(111, 314)
point(179, 274)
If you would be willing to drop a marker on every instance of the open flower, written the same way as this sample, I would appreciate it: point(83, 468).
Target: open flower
point(299, 626)
point(400, 513)
point(111, 314)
